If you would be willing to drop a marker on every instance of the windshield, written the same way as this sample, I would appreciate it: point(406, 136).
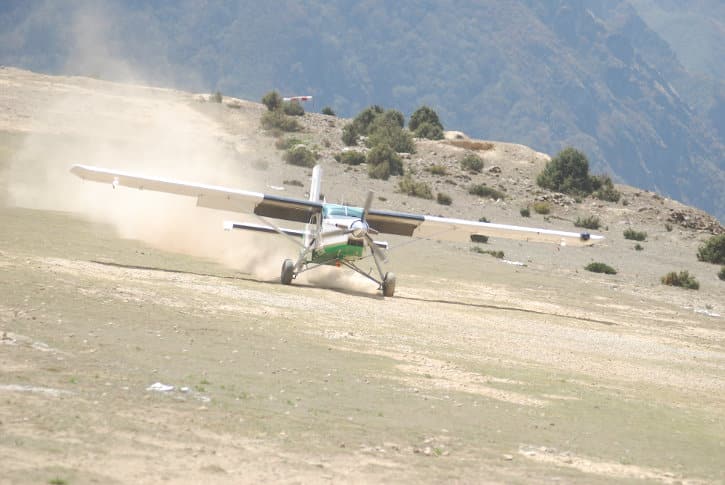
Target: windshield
point(334, 210)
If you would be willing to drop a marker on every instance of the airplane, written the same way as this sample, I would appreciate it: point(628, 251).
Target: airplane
point(334, 234)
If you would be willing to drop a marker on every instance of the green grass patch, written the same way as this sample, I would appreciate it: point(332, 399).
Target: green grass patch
point(630, 233)
point(483, 190)
point(542, 207)
point(589, 222)
point(491, 252)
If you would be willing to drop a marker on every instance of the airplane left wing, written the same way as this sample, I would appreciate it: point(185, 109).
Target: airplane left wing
point(209, 196)
point(461, 230)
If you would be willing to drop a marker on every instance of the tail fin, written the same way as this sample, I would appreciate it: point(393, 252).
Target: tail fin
point(316, 184)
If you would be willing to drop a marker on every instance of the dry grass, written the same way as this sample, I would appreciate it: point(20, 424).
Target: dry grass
point(471, 145)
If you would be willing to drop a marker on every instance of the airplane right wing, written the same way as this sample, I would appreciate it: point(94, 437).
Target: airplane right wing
point(462, 230)
point(209, 196)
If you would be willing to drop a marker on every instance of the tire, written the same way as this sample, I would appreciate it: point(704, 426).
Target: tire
point(288, 272)
point(389, 284)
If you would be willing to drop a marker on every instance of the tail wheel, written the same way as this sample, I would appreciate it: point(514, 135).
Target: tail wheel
point(288, 271)
point(389, 284)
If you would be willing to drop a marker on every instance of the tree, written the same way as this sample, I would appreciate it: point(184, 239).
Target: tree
point(567, 172)
point(424, 114)
point(272, 100)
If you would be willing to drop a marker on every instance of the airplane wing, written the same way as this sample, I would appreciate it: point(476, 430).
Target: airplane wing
point(443, 228)
point(209, 196)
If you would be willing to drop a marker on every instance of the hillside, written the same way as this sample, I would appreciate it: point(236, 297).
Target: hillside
point(593, 75)
point(140, 343)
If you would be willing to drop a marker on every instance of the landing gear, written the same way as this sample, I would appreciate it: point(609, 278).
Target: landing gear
point(288, 271)
point(388, 285)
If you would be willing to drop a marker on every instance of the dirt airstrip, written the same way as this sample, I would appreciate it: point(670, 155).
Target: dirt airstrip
point(139, 343)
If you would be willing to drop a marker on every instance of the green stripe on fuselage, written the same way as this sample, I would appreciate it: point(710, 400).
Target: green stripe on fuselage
point(329, 254)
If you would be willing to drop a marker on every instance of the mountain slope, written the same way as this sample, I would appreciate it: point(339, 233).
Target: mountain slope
point(546, 74)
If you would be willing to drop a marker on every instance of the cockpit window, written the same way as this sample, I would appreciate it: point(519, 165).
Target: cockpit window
point(333, 210)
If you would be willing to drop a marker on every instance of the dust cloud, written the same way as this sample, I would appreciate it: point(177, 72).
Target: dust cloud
point(130, 127)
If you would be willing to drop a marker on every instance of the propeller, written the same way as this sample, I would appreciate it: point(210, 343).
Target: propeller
point(377, 252)
point(280, 231)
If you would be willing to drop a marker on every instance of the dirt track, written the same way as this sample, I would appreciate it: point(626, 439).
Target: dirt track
point(477, 371)
point(501, 379)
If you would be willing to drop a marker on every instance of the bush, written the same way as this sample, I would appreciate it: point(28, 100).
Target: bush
point(472, 163)
point(589, 222)
point(429, 131)
point(668, 227)
point(542, 207)
point(483, 219)
point(479, 238)
point(328, 111)
point(713, 251)
point(568, 172)
point(600, 268)
point(386, 131)
point(301, 156)
point(437, 170)
point(293, 183)
point(492, 252)
point(350, 157)
point(272, 100)
point(277, 120)
point(361, 123)
point(422, 115)
point(682, 279)
point(633, 235)
point(216, 97)
point(606, 190)
point(349, 135)
point(638, 247)
point(393, 116)
point(444, 199)
point(483, 190)
point(293, 108)
point(721, 274)
point(525, 212)
point(383, 162)
point(415, 188)
point(287, 143)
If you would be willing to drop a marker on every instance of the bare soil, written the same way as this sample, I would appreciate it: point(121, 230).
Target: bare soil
point(139, 343)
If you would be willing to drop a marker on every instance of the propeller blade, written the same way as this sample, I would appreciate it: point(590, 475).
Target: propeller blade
point(368, 203)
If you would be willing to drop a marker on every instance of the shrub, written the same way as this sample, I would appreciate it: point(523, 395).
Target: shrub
point(437, 170)
point(293, 108)
point(386, 131)
point(483, 190)
point(272, 100)
point(429, 131)
point(216, 97)
point(633, 235)
point(483, 219)
point(424, 114)
point(638, 247)
point(444, 199)
point(287, 143)
point(472, 145)
point(472, 163)
point(682, 279)
point(568, 172)
point(721, 274)
point(301, 156)
point(349, 135)
point(525, 212)
point(542, 207)
point(600, 268)
point(668, 227)
point(479, 238)
point(713, 251)
point(328, 111)
point(350, 157)
point(293, 183)
point(383, 162)
point(589, 222)
point(605, 190)
point(277, 120)
point(492, 252)
point(393, 116)
point(415, 188)
point(361, 123)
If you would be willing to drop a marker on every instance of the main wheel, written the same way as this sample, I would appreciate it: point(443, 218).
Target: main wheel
point(389, 284)
point(288, 271)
